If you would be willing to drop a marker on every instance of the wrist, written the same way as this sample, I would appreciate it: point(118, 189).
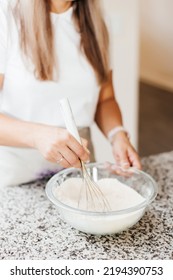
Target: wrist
point(36, 131)
point(120, 137)
point(118, 132)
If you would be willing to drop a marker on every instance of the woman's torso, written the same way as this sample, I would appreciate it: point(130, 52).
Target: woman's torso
point(26, 98)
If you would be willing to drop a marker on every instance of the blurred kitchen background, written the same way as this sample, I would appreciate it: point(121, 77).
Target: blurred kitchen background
point(142, 44)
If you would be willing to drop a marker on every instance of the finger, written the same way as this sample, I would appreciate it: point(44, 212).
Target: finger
point(134, 158)
point(116, 158)
point(70, 157)
point(64, 163)
point(60, 160)
point(50, 156)
point(84, 142)
point(58, 157)
point(78, 149)
point(85, 145)
point(123, 159)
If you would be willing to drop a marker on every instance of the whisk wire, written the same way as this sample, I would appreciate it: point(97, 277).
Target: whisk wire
point(95, 198)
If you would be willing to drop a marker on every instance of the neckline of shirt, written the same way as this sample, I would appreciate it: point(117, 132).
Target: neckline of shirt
point(65, 15)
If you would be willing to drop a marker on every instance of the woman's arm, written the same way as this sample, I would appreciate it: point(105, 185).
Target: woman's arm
point(51, 141)
point(108, 116)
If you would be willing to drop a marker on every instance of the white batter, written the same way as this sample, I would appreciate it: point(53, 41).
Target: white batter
point(119, 195)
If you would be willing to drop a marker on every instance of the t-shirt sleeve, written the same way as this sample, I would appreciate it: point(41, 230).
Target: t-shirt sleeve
point(3, 35)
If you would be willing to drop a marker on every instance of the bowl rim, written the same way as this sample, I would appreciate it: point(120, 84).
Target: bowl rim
point(142, 205)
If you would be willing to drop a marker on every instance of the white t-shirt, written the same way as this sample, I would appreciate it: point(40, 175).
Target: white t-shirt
point(26, 98)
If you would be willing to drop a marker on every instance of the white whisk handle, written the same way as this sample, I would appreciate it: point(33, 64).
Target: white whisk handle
point(69, 119)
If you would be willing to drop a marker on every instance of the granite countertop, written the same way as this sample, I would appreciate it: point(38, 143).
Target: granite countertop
point(30, 226)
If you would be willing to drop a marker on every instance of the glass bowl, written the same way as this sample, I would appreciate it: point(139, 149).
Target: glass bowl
point(101, 223)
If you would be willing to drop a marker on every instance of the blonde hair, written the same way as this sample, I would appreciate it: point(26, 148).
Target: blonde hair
point(37, 40)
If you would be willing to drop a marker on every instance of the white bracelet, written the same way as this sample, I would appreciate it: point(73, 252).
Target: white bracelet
point(114, 131)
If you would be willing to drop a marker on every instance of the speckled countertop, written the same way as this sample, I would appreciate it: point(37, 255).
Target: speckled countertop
point(30, 227)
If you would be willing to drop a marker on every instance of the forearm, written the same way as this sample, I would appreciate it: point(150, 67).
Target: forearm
point(16, 133)
point(108, 115)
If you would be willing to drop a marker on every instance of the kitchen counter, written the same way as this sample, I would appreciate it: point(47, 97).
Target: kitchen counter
point(30, 226)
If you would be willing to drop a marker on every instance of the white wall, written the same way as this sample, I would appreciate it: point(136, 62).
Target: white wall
point(157, 42)
point(125, 38)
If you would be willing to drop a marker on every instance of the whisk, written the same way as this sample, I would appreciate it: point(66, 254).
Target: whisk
point(90, 193)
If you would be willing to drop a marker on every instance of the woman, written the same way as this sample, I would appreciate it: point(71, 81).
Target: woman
point(50, 50)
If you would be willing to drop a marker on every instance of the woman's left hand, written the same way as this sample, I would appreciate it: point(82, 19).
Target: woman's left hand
point(124, 153)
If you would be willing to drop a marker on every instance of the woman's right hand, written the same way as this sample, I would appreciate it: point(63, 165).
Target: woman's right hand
point(57, 145)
